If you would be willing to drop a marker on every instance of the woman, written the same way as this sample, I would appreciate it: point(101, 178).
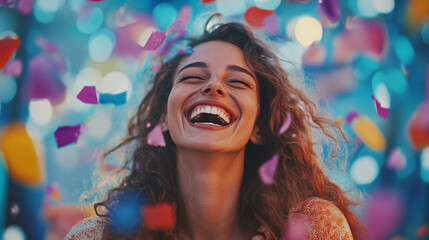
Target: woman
point(221, 109)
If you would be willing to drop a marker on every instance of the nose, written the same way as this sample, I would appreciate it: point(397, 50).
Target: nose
point(214, 87)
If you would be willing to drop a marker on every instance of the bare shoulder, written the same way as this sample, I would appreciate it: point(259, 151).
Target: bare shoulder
point(323, 220)
point(89, 228)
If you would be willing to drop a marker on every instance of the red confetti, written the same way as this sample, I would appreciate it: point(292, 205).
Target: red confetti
point(207, 1)
point(8, 47)
point(267, 170)
point(159, 216)
point(382, 112)
point(422, 230)
point(95, 0)
point(155, 40)
point(155, 137)
point(419, 130)
point(88, 95)
point(255, 16)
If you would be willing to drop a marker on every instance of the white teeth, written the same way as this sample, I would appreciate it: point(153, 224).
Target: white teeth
point(212, 110)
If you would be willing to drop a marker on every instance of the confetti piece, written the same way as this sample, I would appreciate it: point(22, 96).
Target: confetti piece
point(186, 50)
point(88, 95)
point(396, 159)
point(56, 196)
point(207, 1)
point(26, 6)
point(295, 229)
point(116, 99)
point(14, 68)
point(419, 132)
point(14, 210)
point(382, 112)
point(271, 23)
point(159, 216)
point(286, 124)
point(422, 230)
point(383, 214)
point(8, 47)
point(367, 131)
point(155, 40)
point(267, 170)
point(46, 45)
point(148, 124)
point(184, 14)
point(155, 137)
point(330, 10)
point(50, 189)
point(66, 135)
point(255, 16)
point(126, 213)
point(10, 3)
point(20, 155)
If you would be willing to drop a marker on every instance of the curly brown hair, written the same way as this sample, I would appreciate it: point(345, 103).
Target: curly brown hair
point(299, 176)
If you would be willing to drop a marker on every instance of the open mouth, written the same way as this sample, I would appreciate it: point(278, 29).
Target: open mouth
point(210, 115)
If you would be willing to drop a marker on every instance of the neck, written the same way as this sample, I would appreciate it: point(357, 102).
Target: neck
point(210, 185)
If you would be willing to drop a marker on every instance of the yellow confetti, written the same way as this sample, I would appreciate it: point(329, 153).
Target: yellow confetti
point(368, 132)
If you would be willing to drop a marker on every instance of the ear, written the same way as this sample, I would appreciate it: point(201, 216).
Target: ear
point(256, 136)
point(163, 122)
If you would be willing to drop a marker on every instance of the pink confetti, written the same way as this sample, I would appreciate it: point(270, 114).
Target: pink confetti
point(14, 68)
point(10, 3)
point(295, 229)
point(396, 159)
point(184, 14)
point(88, 95)
point(271, 23)
point(26, 6)
point(14, 210)
point(383, 214)
point(267, 170)
point(382, 112)
point(155, 40)
point(66, 135)
point(155, 137)
point(329, 10)
point(286, 124)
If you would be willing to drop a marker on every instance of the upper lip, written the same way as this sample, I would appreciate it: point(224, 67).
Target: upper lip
point(188, 111)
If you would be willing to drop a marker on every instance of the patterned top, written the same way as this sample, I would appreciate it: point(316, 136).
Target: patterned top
point(320, 220)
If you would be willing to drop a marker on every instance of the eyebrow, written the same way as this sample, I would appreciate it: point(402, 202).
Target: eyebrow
point(229, 67)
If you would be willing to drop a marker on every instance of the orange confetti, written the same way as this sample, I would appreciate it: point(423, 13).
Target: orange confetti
point(56, 196)
point(159, 216)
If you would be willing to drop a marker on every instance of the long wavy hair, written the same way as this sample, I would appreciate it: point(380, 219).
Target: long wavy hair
point(152, 176)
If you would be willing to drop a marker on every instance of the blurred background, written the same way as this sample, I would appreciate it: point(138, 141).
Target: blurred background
point(72, 72)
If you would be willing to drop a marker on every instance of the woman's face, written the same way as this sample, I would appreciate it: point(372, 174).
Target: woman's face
point(213, 104)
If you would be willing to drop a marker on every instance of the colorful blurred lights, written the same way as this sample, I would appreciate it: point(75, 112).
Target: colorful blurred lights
point(364, 170)
point(40, 111)
point(229, 8)
point(164, 14)
point(308, 30)
point(91, 23)
point(382, 95)
point(425, 33)
point(114, 83)
point(404, 50)
point(424, 170)
point(13, 233)
point(383, 6)
point(267, 4)
point(101, 45)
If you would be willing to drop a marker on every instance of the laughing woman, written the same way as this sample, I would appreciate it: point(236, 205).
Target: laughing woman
point(221, 109)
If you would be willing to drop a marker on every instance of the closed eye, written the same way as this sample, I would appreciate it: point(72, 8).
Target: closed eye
point(245, 83)
point(190, 77)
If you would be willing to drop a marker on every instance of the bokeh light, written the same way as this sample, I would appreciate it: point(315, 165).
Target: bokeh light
point(424, 170)
point(267, 4)
point(383, 6)
point(92, 22)
point(42, 15)
point(7, 88)
point(425, 33)
point(13, 232)
point(164, 14)
point(308, 30)
point(364, 170)
point(229, 8)
point(404, 50)
point(101, 45)
point(40, 111)
point(382, 95)
point(116, 82)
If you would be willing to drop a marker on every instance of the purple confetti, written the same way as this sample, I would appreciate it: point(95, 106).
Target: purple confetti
point(10, 3)
point(268, 169)
point(26, 6)
point(155, 137)
point(271, 23)
point(50, 189)
point(66, 135)
point(396, 159)
point(88, 95)
point(329, 9)
point(286, 124)
point(382, 112)
point(352, 115)
point(184, 14)
point(14, 210)
point(155, 40)
point(14, 68)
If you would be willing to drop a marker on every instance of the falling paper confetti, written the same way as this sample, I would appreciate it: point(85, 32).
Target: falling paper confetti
point(286, 123)
point(329, 10)
point(22, 161)
point(396, 159)
point(367, 131)
point(159, 216)
point(207, 1)
point(271, 23)
point(56, 196)
point(267, 170)
point(66, 135)
point(295, 229)
point(419, 132)
point(255, 16)
point(14, 68)
point(155, 137)
point(116, 99)
point(8, 47)
point(184, 14)
point(382, 112)
point(88, 95)
point(155, 40)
